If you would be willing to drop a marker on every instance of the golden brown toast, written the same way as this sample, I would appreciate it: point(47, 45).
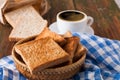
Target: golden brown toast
point(47, 33)
point(71, 46)
point(41, 54)
point(79, 52)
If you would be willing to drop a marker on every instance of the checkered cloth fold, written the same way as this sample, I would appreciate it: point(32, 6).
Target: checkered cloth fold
point(102, 61)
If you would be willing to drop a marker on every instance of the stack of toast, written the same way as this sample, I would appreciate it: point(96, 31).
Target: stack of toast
point(50, 49)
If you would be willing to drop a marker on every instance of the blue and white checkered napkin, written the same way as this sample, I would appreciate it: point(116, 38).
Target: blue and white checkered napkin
point(102, 61)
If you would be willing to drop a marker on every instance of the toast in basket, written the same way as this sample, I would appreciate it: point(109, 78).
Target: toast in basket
point(41, 54)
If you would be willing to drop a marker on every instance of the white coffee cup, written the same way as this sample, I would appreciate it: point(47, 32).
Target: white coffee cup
point(78, 25)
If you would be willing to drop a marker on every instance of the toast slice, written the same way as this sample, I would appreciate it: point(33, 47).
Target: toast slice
point(71, 46)
point(26, 22)
point(41, 54)
point(79, 52)
point(47, 33)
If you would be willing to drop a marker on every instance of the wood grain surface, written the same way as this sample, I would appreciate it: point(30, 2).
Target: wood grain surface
point(106, 16)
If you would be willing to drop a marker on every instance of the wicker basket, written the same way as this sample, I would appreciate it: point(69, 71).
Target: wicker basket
point(59, 73)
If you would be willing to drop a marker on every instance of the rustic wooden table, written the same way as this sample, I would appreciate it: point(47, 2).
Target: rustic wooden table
point(106, 16)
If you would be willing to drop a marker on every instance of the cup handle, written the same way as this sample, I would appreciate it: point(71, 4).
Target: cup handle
point(90, 20)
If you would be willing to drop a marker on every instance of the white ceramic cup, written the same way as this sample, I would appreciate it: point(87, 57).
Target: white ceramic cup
point(73, 26)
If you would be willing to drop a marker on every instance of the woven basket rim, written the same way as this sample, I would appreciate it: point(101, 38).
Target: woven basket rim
point(49, 70)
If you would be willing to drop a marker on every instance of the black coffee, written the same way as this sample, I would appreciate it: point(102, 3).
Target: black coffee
point(71, 16)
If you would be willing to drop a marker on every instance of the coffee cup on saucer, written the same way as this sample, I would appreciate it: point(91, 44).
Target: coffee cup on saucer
point(73, 21)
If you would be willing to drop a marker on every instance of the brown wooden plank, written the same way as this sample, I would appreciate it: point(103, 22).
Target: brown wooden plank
point(5, 45)
point(106, 16)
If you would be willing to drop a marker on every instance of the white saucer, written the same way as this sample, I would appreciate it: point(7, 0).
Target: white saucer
point(53, 27)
